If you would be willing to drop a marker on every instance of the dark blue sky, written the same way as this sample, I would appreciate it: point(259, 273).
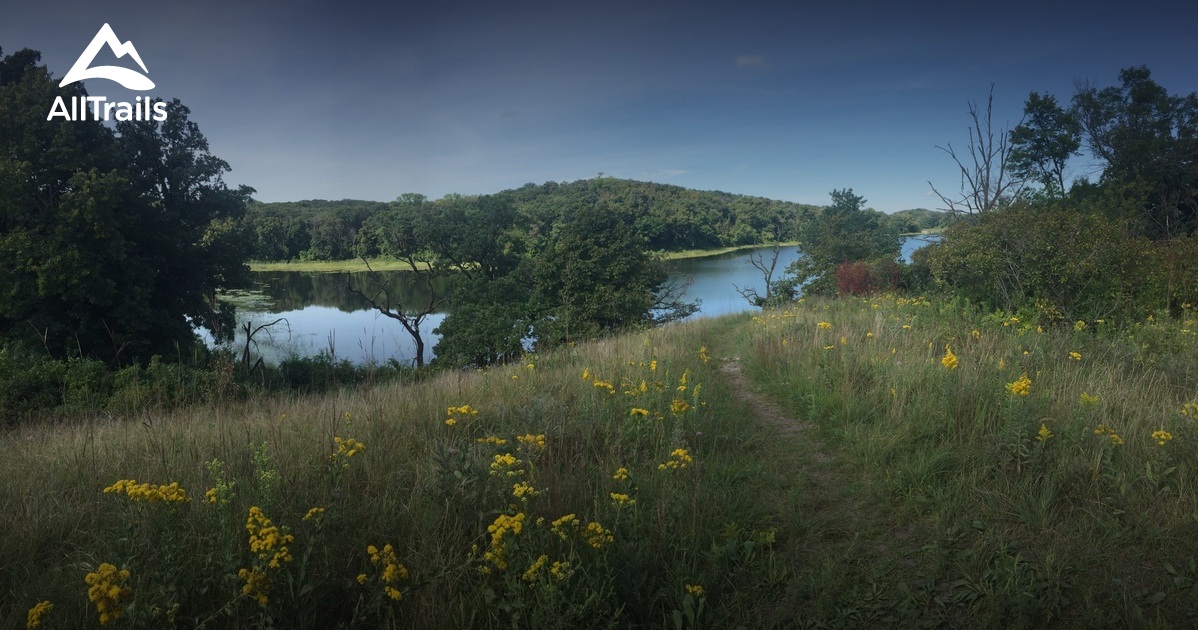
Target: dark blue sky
point(359, 100)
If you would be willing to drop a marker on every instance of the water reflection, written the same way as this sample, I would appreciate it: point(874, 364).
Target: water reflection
point(322, 316)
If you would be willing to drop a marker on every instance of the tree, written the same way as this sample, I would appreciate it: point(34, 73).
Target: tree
point(845, 232)
point(757, 260)
point(1146, 138)
point(1042, 144)
point(987, 180)
point(593, 276)
point(113, 245)
point(401, 234)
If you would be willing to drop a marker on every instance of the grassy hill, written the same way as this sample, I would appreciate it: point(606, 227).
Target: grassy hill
point(863, 462)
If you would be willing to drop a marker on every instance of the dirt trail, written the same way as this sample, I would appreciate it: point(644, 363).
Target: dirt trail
point(767, 410)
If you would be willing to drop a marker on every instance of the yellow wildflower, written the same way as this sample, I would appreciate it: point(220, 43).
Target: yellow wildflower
point(106, 589)
point(679, 458)
point(1089, 400)
point(559, 525)
point(620, 500)
point(637, 411)
point(1190, 410)
point(949, 360)
point(499, 530)
point(530, 575)
point(561, 571)
point(491, 439)
point(315, 512)
point(390, 571)
point(1044, 433)
point(621, 474)
point(170, 493)
point(596, 536)
point(506, 464)
point(653, 365)
point(267, 541)
point(1021, 387)
point(33, 619)
point(524, 490)
point(679, 406)
point(532, 444)
point(695, 590)
point(346, 448)
point(1076, 356)
point(1162, 436)
point(1110, 433)
point(449, 422)
point(825, 325)
point(1079, 325)
point(703, 356)
point(605, 385)
point(975, 333)
point(257, 584)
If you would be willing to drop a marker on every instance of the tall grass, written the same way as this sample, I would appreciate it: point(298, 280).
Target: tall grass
point(428, 488)
point(1002, 508)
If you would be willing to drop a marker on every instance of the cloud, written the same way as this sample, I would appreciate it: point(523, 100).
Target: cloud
point(752, 61)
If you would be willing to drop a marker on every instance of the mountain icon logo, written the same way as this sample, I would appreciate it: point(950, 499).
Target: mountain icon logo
point(131, 79)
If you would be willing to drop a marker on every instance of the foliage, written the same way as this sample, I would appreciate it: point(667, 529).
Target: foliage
point(112, 244)
point(1066, 260)
point(593, 276)
point(845, 232)
point(1042, 144)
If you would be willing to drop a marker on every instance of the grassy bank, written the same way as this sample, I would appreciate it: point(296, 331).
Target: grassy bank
point(1020, 477)
point(1023, 476)
point(381, 264)
point(613, 481)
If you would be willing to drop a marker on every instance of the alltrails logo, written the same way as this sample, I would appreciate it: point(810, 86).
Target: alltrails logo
point(144, 108)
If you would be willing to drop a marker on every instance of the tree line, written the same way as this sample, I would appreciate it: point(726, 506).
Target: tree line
point(1120, 246)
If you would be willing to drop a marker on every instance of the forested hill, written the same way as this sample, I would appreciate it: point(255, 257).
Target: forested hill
point(668, 217)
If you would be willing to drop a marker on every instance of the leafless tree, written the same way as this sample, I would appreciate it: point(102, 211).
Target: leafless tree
point(987, 181)
point(381, 297)
point(757, 259)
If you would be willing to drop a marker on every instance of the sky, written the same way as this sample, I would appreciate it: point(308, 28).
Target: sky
point(337, 100)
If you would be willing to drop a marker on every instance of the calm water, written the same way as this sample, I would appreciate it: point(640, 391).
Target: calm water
point(320, 315)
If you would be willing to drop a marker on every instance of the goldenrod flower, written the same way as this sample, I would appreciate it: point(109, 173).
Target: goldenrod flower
point(506, 465)
point(530, 575)
point(1109, 433)
point(170, 493)
point(1044, 433)
point(604, 385)
point(596, 536)
point(346, 448)
point(975, 334)
point(621, 500)
point(257, 584)
point(679, 458)
point(500, 529)
point(559, 525)
point(679, 406)
point(491, 439)
point(1190, 410)
point(106, 589)
point(703, 356)
point(1021, 387)
point(1089, 400)
point(1079, 325)
point(621, 474)
point(533, 444)
point(561, 571)
point(33, 619)
point(523, 490)
point(825, 325)
point(949, 360)
point(695, 590)
point(637, 411)
point(1076, 356)
point(315, 512)
point(1162, 436)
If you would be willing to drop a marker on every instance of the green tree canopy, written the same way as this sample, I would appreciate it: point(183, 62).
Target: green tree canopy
point(112, 243)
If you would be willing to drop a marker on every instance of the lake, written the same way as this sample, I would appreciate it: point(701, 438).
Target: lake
point(319, 315)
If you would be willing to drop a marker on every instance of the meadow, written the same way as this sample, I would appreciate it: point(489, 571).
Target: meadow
point(887, 461)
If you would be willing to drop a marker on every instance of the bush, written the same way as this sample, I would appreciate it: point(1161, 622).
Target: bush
point(867, 277)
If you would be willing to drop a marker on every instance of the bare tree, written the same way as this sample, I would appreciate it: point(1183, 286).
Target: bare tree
point(987, 181)
point(381, 297)
point(767, 272)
